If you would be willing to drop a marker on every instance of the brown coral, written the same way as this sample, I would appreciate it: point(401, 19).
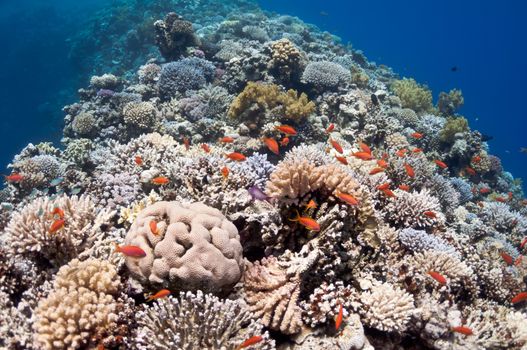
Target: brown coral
point(286, 60)
point(174, 35)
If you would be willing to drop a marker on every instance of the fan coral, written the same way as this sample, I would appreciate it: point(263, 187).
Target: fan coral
point(449, 103)
point(413, 95)
point(196, 247)
point(140, 115)
point(197, 322)
point(183, 75)
point(174, 35)
point(326, 75)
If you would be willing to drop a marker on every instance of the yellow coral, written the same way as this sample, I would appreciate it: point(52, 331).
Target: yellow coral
point(413, 95)
point(452, 127)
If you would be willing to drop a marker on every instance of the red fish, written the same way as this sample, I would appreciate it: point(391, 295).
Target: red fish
point(441, 164)
point(522, 244)
point(519, 298)
point(518, 260)
point(57, 225)
point(153, 227)
point(401, 152)
point(343, 160)
point(161, 294)
point(463, 330)
point(476, 159)
point(338, 320)
point(272, 145)
point(251, 341)
point(417, 150)
point(59, 212)
point(14, 177)
point(336, 146)
point(307, 222)
point(138, 160)
point(330, 128)
point(286, 129)
point(238, 157)
point(409, 170)
point(205, 147)
point(500, 199)
point(484, 190)
point(389, 193)
point(363, 155)
point(417, 135)
point(438, 277)
point(364, 147)
point(383, 187)
point(404, 188)
point(507, 258)
point(347, 198)
point(382, 163)
point(471, 171)
point(509, 194)
point(225, 172)
point(186, 142)
point(226, 139)
point(160, 180)
point(376, 171)
point(311, 204)
point(284, 142)
point(430, 214)
point(385, 155)
point(130, 250)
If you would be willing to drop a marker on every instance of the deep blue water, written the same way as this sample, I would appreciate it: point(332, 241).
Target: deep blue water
point(420, 39)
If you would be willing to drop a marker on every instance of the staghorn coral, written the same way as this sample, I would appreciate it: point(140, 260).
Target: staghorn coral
point(174, 35)
point(196, 321)
point(413, 95)
point(196, 248)
point(325, 75)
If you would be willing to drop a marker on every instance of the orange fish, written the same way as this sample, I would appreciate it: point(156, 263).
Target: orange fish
point(186, 142)
point(438, 277)
point(57, 225)
point(430, 214)
point(59, 212)
point(338, 320)
point(382, 163)
point(251, 341)
point(522, 244)
point(138, 160)
point(440, 164)
point(470, 171)
point(161, 294)
point(383, 187)
point(14, 177)
point(518, 260)
point(311, 204)
point(160, 180)
point(519, 298)
point(500, 199)
point(347, 198)
point(389, 193)
point(484, 190)
point(409, 170)
point(153, 227)
point(307, 222)
point(284, 142)
point(225, 172)
point(507, 258)
point(509, 194)
point(376, 171)
point(385, 155)
point(364, 147)
point(463, 330)
point(404, 188)
point(476, 159)
point(286, 129)
point(363, 155)
point(226, 139)
point(130, 250)
point(238, 157)
point(205, 147)
point(417, 135)
point(330, 128)
point(336, 146)
point(417, 150)
point(401, 152)
point(272, 145)
point(343, 160)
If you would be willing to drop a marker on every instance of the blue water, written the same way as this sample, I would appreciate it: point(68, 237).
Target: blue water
point(420, 39)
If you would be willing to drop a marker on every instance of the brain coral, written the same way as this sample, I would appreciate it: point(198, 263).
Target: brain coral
point(196, 247)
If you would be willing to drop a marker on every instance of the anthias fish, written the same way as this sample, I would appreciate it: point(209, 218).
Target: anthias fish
point(307, 222)
point(14, 177)
point(238, 157)
point(347, 198)
point(130, 250)
point(57, 225)
point(518, 298)
point(272, 145)
point(225, 172)
point(409, 170)
point(336, 146)
point(286, 129)
point(138, 160)
point(342, 160)
point(161, 294)
point(417, 135)
point(364, 147)
point(205, 147)
point(153, 227)
point(338, 319)
point(363, 155)
point(462, 330)
point(226, 139)
point(160, 180)
point(438, 277)
point(251, 341)
point(441, 164)
point(330, 128)
point(376, 171)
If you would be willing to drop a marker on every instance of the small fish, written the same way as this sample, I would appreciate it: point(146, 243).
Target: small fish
point(138, 160)
point(519, 298)
point(161, 294)
point(336, 146)
point(463, 330)
point(286, 129)
point(522, 244)
point(238, 157)
point(14, 177)
point(510, 195)
point(160, 180)
point(307, 222)
point(257, 194)
point(409, 170)
point(470, 171)
point(500, 199)
point(440, 164)
point(364, 147)
point(225, 172)
point(476, 159)
point(347, 198)
point(382, 163)
point(518, 260)
point(153, 227)
point(76, 190)
point(338, 319)
point(56, 182)
point(383, 187)
point(251, 341)
point(311, 204)
point(417, 135)
point(507, 258)
point(417, 150)
point(363, 155)
point(405, 188)
point(186, 142)
point(438, 277)
point(57, 225)
point(59, 212)
point(272, 145)
point(430, 214)
point(330, 128)
point(401, 152)
point(130, 250)
point(205, 147)
point(226, 139)
point(284, 142)
point(389, 193)
point(376, 171)
point(453, 69)
point(484, 190)
point(343, 160)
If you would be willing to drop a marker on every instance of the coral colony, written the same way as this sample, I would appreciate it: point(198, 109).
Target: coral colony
point(254, 184)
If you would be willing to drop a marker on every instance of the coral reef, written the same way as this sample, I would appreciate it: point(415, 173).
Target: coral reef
point(413, 95)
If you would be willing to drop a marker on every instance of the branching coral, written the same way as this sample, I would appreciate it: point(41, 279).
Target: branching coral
point(326, 75)
point(413, 95)
point(286, 60)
